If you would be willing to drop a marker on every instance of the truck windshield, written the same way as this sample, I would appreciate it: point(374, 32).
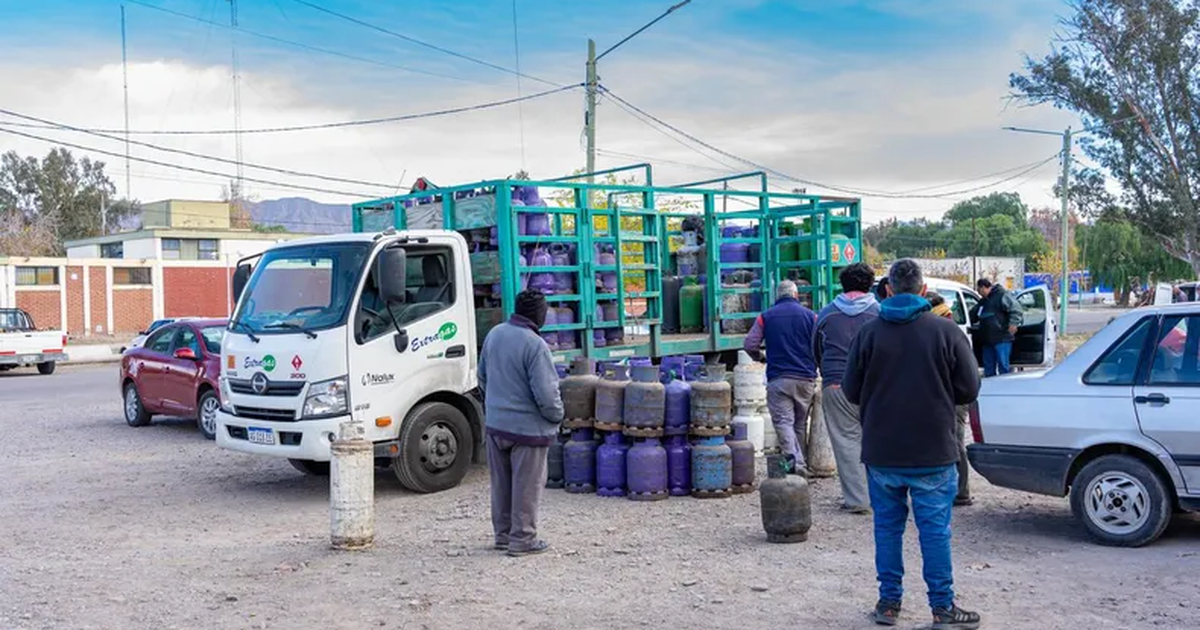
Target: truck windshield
point(308, 287)
point(12, 319)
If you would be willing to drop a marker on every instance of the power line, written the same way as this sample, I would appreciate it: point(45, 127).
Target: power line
point(424, 44)
point(182, 168)
point(333, 125)
point(201, 156)
point(308, 47)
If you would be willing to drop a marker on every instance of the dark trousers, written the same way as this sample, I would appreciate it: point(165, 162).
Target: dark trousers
point(518, 474)
point(964, 467)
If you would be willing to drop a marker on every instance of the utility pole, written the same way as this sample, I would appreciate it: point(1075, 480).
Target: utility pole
point(237, 98)
point(125, 81)
point(103, 215)
point(974, 253)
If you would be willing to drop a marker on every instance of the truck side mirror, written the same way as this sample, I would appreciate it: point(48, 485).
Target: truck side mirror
point(390, 274)
point(241, 277)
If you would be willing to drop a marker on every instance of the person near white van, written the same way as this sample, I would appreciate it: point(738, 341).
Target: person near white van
point(999, 316)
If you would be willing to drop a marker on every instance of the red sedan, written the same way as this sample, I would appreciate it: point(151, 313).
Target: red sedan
point(175, 373)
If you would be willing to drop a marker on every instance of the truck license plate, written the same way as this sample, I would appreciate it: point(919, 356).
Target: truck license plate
point(259, 435)
point(28, 359)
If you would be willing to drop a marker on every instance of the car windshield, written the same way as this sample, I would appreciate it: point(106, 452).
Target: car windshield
point(307, 286)
point(212, 338)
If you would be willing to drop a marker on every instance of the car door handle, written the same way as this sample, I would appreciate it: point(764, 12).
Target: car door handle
point(456, 352)
point(1152, 399)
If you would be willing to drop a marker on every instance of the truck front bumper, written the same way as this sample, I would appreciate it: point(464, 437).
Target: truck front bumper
point(302, 439)
point(32, 358)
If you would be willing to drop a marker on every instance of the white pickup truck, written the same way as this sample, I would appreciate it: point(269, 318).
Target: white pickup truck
point(23, 345)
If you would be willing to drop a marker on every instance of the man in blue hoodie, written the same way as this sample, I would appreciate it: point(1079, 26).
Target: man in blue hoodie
point(837, 325)
point(523, 410)
point(787, 329)
point(907, 370)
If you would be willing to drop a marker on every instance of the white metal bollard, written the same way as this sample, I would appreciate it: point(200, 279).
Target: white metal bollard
point(820, 449)
point(352, 489)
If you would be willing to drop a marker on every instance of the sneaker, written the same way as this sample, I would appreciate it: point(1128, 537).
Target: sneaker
point(855, 509)
point(954, 618)
point(500, 545)
point(538, 546)
point(963, 501)
point(886, 613)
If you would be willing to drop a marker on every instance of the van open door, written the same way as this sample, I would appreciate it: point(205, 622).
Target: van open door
point(1037, 337)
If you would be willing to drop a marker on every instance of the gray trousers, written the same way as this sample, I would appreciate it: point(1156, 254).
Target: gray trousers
point(518, 475)
point(845, 435)
point(789, 400)
point(964, 467)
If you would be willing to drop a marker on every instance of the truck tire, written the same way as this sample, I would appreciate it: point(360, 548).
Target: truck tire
point(206, 414)
point(309, 467)
point(46, 368)
point(1121, 501)
point(135, 411)
point(435, 448)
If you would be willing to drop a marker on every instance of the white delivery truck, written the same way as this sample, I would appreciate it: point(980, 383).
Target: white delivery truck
point(380, 326)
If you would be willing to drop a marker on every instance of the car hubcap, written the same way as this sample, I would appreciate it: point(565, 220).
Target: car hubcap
point(439, 447)
point(208, 415)
point(1117, 503)
point(131, 404)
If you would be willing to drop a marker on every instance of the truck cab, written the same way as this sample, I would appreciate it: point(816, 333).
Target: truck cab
point(374, 326)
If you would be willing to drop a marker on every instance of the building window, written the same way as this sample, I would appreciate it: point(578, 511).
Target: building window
point(131, 276)
point(207, 249)
point(37, 276)
point(112, 250)
point(189, 249)
point(170, 248)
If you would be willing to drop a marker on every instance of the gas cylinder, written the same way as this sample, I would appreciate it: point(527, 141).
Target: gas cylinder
point(670, 367)
point(610, 465)
point(755, 249)
point(551, 338)
point(749, 382)
point(639, 361)
point(786, 506)
point(645, 403)
point(606, 281)
point(692, 364)
point(564, 281)
point(566, 338)
point(677, 411)
point(712, 468)
point(679, 465)
point(494, 236)
point(538, 223)
point(712, 403)
point(691, 307)
point(561, 370)
point(670, 305)
point(614, 336)
point(646, 470)
point(610, 398)
point(554, 463)
point(578, 393)
point(734, 252)
point(543, 282)
point(756, 426)
point(522, 221)
point(743, 459)
point(756, 298)
point(579, 462)
point(598, 339)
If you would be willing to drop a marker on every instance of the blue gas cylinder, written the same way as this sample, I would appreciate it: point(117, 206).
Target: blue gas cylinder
point(679, 465)
point(646, 470)
point(579, 462)
point(712, 468)
point(678, 413)
point(610, 465)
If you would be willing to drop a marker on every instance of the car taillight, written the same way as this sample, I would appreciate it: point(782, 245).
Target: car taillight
point(64, 341)
point(976, 427)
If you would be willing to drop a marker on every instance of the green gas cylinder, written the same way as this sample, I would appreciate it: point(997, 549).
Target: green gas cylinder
point(691, 307)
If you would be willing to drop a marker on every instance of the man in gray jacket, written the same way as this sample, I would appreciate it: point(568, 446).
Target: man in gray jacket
point(523, 407)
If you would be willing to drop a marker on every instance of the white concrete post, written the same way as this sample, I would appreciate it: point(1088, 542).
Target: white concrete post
point(352, 489)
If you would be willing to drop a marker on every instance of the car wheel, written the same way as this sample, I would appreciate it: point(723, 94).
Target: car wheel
point(309, 467)
point(46, 368)
point(435, 448)
point(1121, 501)
point(206, 417)
point(135, 412)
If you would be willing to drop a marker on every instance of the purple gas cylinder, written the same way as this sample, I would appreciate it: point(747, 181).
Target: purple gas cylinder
point(646, 471)
point(579, 462)
point(742, 450)
point(551, 338)
point(671, 367)
point(645, 402)
point(610, 466)
point(692, 364)
point(522, 219)
point(543, 282)
point(640, 361)
point(606, 281)
point(678, 413)
point(566, 338)
point(598, 339)
point(755, 252)
point(679, 465)
point(561, 369)
point(564, 281)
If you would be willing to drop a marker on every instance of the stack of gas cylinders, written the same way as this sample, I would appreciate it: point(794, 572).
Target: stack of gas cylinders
point(629, 426)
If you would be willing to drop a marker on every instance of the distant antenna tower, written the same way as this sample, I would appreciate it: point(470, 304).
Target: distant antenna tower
point(237, 98)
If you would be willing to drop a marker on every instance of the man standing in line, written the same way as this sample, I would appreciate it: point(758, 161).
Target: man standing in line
point(524, 409)
point(907, 371)
point(837, 325)
point(787, 329)
point(999, 317)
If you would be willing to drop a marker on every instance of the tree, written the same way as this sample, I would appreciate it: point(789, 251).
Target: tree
point(989, 225)
point(1006, 203)
point(1128, 69)
point(1118, 254)
point(58, 198)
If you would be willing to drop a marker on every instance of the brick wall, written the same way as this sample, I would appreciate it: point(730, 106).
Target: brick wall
point(44, 307)
point(196, 291)
point(98, 287)
point(74, 280)
point(133, 310)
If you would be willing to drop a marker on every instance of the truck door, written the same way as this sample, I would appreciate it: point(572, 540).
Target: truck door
point(423, 346)
point(1037, 337)
point(1166, 402)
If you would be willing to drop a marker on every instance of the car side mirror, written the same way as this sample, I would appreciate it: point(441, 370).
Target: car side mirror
point(390, 275)
point(241, 277)
point(185, 353)
point(144, 332)
point(401, 341)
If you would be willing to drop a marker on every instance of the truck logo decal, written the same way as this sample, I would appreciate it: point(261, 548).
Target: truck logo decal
point(378, 379)
point(297, 362)
point(267, 363)
point(445, 333)
point(258, 383)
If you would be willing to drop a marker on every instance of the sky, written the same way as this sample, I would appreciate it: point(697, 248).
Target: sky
point(876, 96)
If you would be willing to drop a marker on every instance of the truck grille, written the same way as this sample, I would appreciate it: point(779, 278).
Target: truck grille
point(274, 388)
point(258, 413)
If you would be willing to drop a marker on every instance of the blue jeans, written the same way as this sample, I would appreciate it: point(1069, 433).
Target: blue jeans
point(932, 491)
point(995, 359)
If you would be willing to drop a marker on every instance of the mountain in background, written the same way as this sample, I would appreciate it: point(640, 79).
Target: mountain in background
point(304, 216)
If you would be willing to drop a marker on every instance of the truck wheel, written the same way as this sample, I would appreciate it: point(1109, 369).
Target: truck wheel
point(46, 368)
point(135, 412)
point(206, 416)
point(435, 448)
point(1121, 501)
point(309, 467)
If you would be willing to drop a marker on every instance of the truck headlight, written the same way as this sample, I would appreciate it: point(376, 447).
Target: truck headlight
point(226, 391)
point(327, 398)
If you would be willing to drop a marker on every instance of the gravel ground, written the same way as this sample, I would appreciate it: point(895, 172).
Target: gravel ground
point(107, 526)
